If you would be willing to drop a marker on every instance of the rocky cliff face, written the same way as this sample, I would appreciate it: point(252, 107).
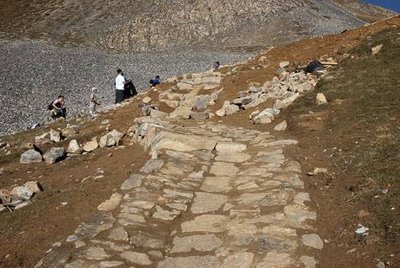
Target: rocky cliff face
point(143, 25)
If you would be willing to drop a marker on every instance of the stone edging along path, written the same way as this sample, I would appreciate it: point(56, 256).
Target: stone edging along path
point(210, 196)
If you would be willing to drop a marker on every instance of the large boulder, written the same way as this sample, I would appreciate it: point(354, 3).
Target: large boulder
point(55, 135)
point(90, 146)
point(182, 142)
point(181, 112)
point(201, 104)
point(54, 154)
point(74, 147)
point(266, 116)
point(21, 193)
point(34, 186)
point(320, 99)
point(199, 116)
point(42, 139)
point(68, 132)
point(112, 138)
point(281, 126)
point(227, 109)
point(31, 156)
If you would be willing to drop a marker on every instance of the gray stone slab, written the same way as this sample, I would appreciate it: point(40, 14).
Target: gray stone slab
point(188, 262)
point(206, 202)
point(202, 243)
point(205, 223)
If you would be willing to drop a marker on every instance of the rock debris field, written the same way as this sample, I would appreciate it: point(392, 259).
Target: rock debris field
point(34, 73)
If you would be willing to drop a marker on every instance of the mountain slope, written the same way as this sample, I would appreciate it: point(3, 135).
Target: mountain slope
point(153, 25)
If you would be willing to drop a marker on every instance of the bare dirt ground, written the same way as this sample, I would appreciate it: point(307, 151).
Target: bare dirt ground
point(338, 197)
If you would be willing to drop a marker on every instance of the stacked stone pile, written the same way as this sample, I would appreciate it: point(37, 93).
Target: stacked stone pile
point(283, 90)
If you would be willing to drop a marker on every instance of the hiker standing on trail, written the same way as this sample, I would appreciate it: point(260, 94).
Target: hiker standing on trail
point(57, 108)
point(120, 82)
point(94, 102)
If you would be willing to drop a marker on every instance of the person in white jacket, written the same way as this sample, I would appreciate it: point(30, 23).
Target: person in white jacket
point(120, 82)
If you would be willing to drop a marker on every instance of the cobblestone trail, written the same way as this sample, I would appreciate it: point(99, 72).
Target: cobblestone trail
point(210, 196)
point(220, 197)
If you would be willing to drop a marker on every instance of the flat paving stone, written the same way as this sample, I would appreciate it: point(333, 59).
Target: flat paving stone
point(233, 157)
point(224, 169)
point(205, 223)
point(217, 184)
point(206, 202)
point(230, 147)
point(202, 243)
point(119, 234)
point(298, 216)
point(95, 253)
point(136, 258)
point(193, 261)
point(111, 203)
point(308, 262)
point(133, 181)
point(313, 241)
point(109, 264)
point(97, 224)
point(276, 260)
point(291, 180)
point(238, 260)
point(165, 215)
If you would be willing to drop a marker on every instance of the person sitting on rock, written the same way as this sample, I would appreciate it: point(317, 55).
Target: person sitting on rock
point(94, 102)
point(156, 81)
point(58, 108)
point(217, 64)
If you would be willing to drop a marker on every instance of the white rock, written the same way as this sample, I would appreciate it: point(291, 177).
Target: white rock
point(376, 49)
point(42, 139)
point(281, 126)
point(238, 260)
point(181, 112)
point(111, 203)
point(21, 193)
point(205, 223)
point(202, 243)
point(55, 135)
point(54, 154)
point(34, 186)
point(90, 146)
point(136, 258)
point(206, 202)
point(284, 64)
point(313, 241)
point(146, 100)
point(320, 99)
point(31, 156)
point(74, 147)
point(230, 147)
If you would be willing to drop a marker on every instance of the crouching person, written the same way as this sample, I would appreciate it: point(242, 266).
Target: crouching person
point(57, 108)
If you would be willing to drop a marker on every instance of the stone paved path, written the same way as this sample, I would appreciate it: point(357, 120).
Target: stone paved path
point(212, 196)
